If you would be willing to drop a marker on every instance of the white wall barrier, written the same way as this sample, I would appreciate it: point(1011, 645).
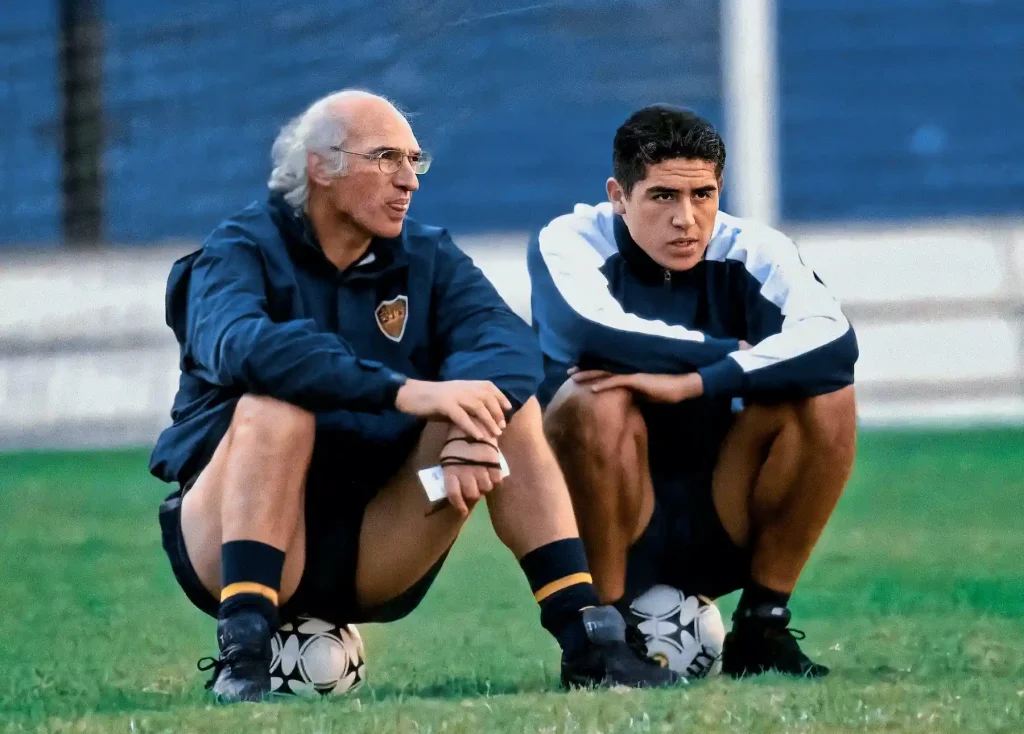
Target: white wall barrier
point(86, 360)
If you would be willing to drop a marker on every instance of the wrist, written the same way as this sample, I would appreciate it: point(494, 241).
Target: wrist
point(455, 432)
point(723, 379)
point(399, 384)
point(464, 442)
point(690, 386)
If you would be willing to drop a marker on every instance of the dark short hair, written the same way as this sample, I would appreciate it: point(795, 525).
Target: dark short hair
point(660, 133)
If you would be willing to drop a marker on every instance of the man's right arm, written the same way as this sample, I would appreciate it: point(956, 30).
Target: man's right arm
point(232, 341)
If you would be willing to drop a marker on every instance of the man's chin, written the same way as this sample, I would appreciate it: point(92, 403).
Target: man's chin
point(389, 229)
point(679, 264)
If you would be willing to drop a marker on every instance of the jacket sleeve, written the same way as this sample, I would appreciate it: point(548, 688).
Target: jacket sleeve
point(581, 323)
point(231, 340)
point(803, 344)
point(481, 337)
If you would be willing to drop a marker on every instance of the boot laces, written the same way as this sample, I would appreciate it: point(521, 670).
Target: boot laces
point(209, 663)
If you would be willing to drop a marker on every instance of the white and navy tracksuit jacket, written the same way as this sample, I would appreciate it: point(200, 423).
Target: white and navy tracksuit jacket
point(599, 301)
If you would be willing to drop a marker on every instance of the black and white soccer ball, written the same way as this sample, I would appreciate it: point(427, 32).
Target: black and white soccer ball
point(684, 633)
point(313, 657)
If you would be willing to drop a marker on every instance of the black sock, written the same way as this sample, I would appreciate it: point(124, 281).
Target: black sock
point(754, 596)
point(251, 577)
point(561, 583)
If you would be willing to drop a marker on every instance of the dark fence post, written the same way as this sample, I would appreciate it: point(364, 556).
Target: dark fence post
point(81, 76)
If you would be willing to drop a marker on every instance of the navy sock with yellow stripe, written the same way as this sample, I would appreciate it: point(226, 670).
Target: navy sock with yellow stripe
point(251, 577)
point(561, 583)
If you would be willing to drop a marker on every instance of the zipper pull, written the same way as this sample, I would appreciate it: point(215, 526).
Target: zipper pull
point(668, 278)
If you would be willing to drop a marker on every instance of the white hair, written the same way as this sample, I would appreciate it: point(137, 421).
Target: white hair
point(319, 129)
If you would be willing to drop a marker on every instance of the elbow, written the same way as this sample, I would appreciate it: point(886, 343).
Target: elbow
point(825, 369)
point(843, 355)
point(848, 351)
point(519, 391)
point(222, 365)
point(524, 373)
point(840, 351)
point(837, 361)
point(231, 355)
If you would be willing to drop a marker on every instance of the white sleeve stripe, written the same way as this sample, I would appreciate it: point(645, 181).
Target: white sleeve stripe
point(793, 341)
point(812, 318)
point(574, 263)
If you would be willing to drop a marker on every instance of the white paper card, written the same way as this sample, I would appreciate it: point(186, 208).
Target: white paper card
point(432, 479)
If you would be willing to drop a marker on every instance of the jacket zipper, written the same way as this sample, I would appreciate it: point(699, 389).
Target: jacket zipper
point(668, 278)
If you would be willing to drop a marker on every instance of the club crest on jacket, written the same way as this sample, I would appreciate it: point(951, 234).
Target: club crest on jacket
point(391, 317)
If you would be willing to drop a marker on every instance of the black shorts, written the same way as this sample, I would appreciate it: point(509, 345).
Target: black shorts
point(336, 499)
point(685, 544)
point(690, 551)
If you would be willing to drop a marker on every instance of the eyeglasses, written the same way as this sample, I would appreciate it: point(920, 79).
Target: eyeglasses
point(390, 160)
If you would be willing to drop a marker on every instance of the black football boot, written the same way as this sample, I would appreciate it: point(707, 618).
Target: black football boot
point(243, 671)
point(762, 642)
point(607, 660)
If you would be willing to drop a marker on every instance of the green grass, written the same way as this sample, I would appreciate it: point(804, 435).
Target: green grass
point(915, 597)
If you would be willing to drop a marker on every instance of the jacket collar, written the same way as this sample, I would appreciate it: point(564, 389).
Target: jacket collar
point(640, 263)
point(296, 230)
point(637, 260)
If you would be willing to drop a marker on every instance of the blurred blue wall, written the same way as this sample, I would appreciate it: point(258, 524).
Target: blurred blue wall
point(889, 108)
point(518, 108)
point(29, 123)
point(901, 108)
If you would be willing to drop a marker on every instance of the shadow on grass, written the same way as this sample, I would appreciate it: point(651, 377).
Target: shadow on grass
point(923, 674)
point(466, 687)
point(123, 701)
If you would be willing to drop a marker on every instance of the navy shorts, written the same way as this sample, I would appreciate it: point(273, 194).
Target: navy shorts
point(685, 544)
point(336, 499)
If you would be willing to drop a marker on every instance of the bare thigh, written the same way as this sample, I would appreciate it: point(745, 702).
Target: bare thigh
point(399, 542)
point(741, 461)
point(201, 529)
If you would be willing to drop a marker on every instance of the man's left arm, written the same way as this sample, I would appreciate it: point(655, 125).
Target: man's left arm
point(811, 352)
point(482, 338)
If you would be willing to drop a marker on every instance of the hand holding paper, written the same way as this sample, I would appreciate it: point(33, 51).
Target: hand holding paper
point(433, 481)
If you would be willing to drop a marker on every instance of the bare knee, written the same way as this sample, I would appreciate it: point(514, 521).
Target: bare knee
point(830, 422)
point(525, 445)
point(825, 423)
point(526, 426)
point(272, 427)
point(596, 423)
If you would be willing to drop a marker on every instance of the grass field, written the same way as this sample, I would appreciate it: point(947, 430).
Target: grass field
point(916, 598)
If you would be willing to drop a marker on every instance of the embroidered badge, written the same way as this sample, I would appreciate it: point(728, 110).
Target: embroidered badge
point(391, 317)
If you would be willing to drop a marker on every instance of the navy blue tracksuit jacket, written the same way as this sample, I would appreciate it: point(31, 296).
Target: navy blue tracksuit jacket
point(260, 309)
point(599, 300)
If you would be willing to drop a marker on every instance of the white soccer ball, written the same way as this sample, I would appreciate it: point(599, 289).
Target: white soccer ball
point(313, 657)
point(684, 633)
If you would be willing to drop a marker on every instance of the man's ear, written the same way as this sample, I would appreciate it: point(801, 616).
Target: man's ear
point(316, 170)
point(617, 196)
